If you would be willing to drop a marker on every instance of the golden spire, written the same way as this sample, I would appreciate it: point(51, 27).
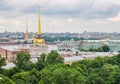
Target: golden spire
point(39, 39)
point(39, 29)
point(26, 34)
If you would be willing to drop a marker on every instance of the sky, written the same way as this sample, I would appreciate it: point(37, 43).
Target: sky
point(73, 16)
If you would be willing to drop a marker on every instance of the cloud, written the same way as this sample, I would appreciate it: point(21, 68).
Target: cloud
point(115, 19)
point(60, 15)
point(104, 9)
point(85, 9)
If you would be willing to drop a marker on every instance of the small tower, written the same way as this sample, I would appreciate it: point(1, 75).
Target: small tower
point(26, 33)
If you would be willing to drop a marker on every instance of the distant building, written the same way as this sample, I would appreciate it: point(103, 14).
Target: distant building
point(6, 40)
point(10, 52)
point(7, 54)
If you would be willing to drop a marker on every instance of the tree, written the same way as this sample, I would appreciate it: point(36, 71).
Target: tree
point(109, 73)
point(61, 74)
point(41, 63)
point(80, 67)
point(29, 77)
point(21, 78)
point(5, 80)
point(98, 62)
point(94, 78)
point(109, 67)
point(23, 61)
point(106, 48)
point(116, 77)
point(43, 57)
point(25, 42)
point(18, 42)
point(34, 77)
point(53, 57)
point(46, 59)
point(10, 72)
point(67, 76)
point(119, 52)
point(2, 61)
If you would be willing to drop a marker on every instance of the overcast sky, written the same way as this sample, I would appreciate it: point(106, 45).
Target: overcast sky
point(61, 15)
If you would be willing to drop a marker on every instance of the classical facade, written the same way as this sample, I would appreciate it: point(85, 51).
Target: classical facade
point(85, 45)
point(114, 46)
point(68, 45)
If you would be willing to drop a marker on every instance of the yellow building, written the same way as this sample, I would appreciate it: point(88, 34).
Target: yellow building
point(39, 40)
point(39, 45)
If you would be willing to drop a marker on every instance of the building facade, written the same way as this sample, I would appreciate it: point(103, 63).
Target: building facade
point(114, 46)
point(39, 45)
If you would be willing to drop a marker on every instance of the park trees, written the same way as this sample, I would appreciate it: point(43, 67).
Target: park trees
point(50, 69)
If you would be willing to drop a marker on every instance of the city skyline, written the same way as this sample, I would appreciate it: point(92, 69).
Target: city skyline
point(61, 15)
